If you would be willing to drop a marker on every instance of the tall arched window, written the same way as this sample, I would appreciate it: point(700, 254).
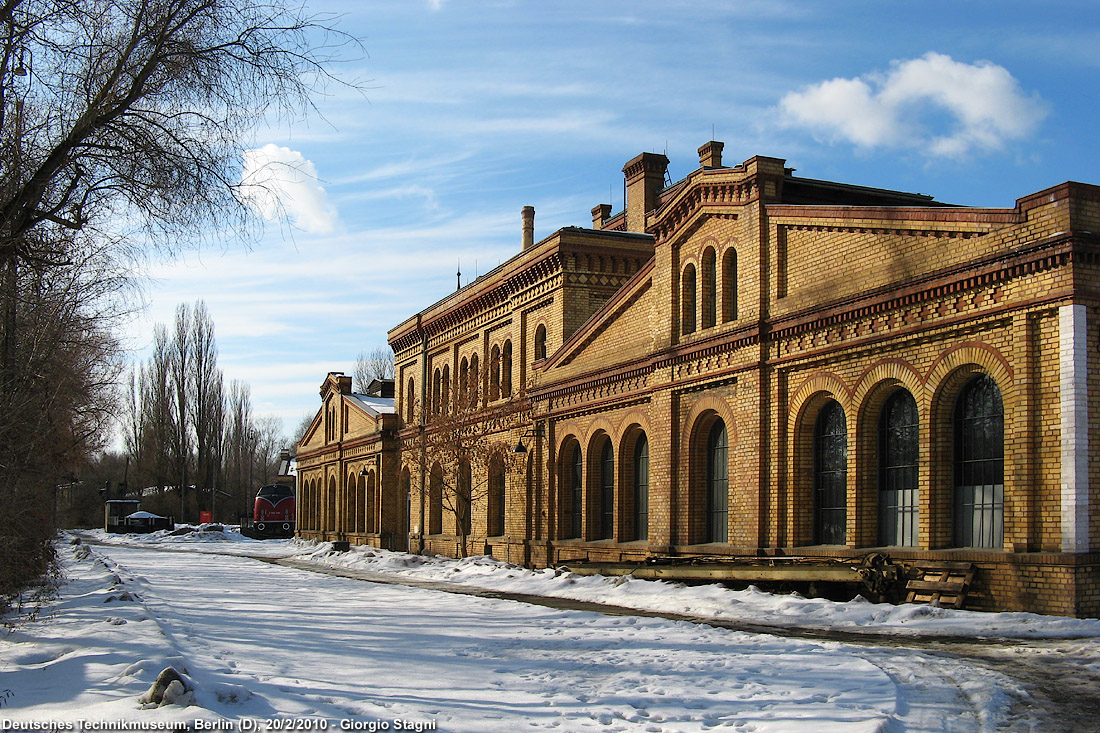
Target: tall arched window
point(350, 506)
point(494, 373)
point(898, 450)
point(446, 400)
point(641, 488)
point(607, 491)
point(463, 502)
point(496, 498)
point(687, 300)
point(463, 383)
point(366, 498)
point(572, 492)
point(506, 370)
point(830, 475)
point(717, 508)
point(979, 465)
point(410, 400)
point(475, 379)
point(435, 500)
point(540, 342)
point(371, 502)
point(729, 285)
point(437, 389)
point(330, 515)
point(709, 289)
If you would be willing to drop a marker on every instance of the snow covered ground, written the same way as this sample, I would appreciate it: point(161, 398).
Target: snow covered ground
point(264, 642)
point(701, 601)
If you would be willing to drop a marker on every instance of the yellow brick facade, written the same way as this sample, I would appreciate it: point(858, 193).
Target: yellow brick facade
point(739, 305)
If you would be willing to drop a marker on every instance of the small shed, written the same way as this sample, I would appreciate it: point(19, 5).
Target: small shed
point(115, 514)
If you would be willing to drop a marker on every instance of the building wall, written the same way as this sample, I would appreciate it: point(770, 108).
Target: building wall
point(793, 306)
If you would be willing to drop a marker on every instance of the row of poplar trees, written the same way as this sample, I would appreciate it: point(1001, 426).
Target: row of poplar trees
point(185, 427)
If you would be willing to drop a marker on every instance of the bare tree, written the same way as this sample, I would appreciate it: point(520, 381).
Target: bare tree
point(121, 127)
point(460, 441)
point(207, 400)
point(269, 441)
point(240, 448)
point(300, 431)
point(57, 391)
point(370, 365)
point(180, 370)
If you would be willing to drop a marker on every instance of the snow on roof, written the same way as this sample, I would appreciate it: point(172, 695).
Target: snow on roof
point(144, 515)
point(373, 405)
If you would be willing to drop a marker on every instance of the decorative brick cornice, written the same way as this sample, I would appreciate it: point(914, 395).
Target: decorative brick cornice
point(592, 381)
point(703, 194)
point(721, 343)
point(847, 218)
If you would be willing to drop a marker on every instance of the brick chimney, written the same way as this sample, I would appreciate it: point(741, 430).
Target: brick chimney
point(600, 214)
point(645, 177)
point(528, 215)
point(710, 154)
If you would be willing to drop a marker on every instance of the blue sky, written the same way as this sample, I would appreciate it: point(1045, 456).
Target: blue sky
point(476, 109)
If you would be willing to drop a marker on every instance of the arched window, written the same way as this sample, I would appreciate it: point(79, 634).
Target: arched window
point(463, 383)
point(410, 397)
point(436, 391)
point(979, 465)
point(371, 502)
point(687, 300)
point(362, 518)
point(496, 497)
point(475, 379)
point(572, 492)
point(330, 517)
point(729, 285)
point(506, 370)
point(494, 373)
point(350, 505)
point(898, 450)
point(435, 500)
point(446, 397)
point(830, 475)
point(717, 508)
point(709, 289)
point(463, 501)
point(641, 488)
point(607, 491)
point(540, 342)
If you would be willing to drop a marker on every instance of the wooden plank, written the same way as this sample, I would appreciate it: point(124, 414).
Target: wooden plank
point(941, 586)
point(936, 565)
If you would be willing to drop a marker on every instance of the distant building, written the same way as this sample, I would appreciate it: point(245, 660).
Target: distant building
point(748, 362)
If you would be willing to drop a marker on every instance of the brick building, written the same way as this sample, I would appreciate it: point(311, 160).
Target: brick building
point(748, 362)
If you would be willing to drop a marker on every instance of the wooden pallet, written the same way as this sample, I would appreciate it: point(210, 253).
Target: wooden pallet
point(940, 583)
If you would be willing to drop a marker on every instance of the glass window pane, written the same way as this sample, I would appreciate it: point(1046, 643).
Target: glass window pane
point(979, 465)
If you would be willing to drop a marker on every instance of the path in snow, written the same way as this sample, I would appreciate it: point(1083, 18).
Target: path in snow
point(262, 640)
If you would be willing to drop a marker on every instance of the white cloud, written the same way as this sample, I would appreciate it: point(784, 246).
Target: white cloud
point(934, 103)
point(278, 182)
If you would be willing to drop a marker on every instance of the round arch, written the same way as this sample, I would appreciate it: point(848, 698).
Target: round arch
point(876, 385)
point(946, 380)
point(569, 470)
point(806, 404)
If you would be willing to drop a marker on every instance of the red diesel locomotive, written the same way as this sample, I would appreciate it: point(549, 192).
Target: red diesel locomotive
point(274, 511)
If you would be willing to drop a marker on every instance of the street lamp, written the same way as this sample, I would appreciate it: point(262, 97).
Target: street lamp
point(534, 432)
